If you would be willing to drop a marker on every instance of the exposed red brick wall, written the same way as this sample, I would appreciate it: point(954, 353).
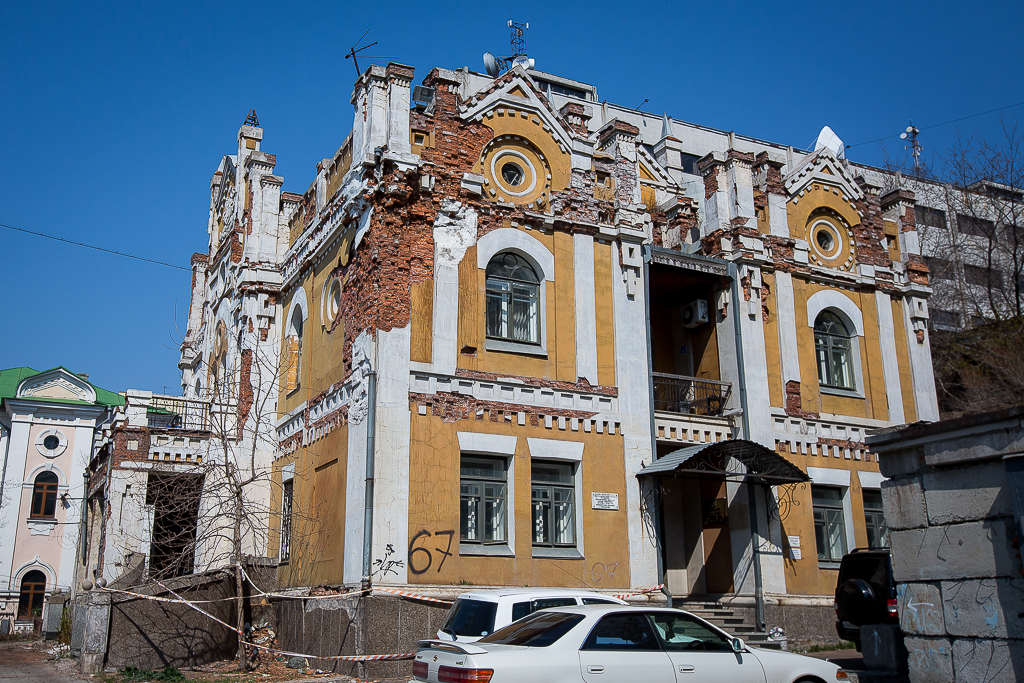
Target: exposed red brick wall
point(452, 407)
point(794, 404)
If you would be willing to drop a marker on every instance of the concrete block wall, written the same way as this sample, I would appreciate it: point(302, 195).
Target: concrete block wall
point(954, 534)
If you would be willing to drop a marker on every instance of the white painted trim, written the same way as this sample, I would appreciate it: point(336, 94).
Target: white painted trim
point(288, 472)
point(890, 361)
point(586, 307)
point(298, 300)
point(870, 480)
point(837, 301)
point(30, 480)
point(19, 575)
point(518, 241)
point(829, 476)
point(553, 449)
point(493, 444)
point(786, 311)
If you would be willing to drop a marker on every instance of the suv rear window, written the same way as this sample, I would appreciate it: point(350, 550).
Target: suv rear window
point(539, 629)
point(871, 568)
point(473, 618)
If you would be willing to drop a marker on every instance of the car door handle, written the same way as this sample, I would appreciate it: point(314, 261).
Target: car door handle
point(686, 668)
point(595, 669)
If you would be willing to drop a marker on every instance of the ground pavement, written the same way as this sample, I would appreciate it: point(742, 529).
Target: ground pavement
point(26, 663)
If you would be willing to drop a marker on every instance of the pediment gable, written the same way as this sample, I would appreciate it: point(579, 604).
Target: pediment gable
point(57, 383)
point(822, 167)
point(516, 89)
point(653, 173)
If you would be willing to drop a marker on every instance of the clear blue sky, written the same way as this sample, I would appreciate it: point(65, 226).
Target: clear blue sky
point(114, 116)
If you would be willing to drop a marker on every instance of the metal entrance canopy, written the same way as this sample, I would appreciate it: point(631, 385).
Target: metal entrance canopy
point(735, 460)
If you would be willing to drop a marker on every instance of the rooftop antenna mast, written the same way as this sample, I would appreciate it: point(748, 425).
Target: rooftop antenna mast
point(915, 146)
point(356, 49)
point(518, 38)
point(495, 65)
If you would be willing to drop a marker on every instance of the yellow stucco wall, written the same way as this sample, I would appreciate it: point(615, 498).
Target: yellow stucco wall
point(434, 511)
point(605, 314)
point(772, 352)
point(559, 318)
point(318, 517)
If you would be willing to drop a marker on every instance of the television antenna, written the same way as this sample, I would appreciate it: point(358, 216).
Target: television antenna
point(495, 65)
point(915, 147)
point(356, 49)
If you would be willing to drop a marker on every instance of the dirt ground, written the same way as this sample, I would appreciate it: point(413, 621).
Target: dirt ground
point(46, 662)
point(851, 660)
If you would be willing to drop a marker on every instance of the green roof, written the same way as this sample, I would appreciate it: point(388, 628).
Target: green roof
point(12, 377)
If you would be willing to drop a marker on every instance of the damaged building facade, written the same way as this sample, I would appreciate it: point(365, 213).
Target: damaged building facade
point(512, 335)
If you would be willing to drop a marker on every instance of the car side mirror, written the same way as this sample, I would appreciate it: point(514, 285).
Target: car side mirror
point(738, 645)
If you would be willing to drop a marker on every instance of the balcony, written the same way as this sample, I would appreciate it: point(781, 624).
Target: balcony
point(176, 412)
point(690, 395)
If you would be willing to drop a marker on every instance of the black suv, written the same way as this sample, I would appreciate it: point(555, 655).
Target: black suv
point(865, 592)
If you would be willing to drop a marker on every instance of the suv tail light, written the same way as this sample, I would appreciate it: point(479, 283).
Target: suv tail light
point(835, 604)
point(892, 608)
point(453, 674)
point(420, 670)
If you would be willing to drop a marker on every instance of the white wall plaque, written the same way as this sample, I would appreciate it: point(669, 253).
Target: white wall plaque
point(794, 541)
point(795, 554)
point(604, 501)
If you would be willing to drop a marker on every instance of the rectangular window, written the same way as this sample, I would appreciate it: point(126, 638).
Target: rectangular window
point(829, 527)
point(874, 519)
point(985, 277)
point(931, 217)
point(512, 311)
point(285, 552)
point(940, 268)
point(554, 506)
point(970, 225)
point(483, 505)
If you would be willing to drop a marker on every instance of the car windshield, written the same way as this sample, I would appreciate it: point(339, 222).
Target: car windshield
point(470, 618)
point(539, 629)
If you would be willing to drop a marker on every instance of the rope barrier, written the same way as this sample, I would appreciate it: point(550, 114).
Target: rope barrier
point(414, 596)
point(642, 592)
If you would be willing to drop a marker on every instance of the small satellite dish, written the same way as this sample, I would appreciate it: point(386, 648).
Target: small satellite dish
point(525, 62)
point(903, 136)
point(491, 64)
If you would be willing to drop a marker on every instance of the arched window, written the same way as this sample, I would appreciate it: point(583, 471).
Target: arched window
point(832, 342)
point(44, 496)
point(513, 299)
point(295, 350)
point(33, 590)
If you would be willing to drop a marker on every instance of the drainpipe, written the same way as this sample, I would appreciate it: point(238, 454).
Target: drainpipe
point(371, 413)
point(755, 542)
point(648, 252)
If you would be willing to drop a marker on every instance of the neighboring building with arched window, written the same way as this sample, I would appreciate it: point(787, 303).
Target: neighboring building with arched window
point(48, 422)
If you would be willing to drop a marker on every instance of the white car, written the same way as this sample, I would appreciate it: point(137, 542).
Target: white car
point(612, 643)
point(479, 613)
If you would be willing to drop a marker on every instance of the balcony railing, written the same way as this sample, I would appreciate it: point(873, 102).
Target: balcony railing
point(690, 395)
point(178, 413)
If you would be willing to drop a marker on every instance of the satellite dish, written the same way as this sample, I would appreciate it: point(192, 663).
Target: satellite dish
point(903, 136)
point(491, 64)
point(525, 62)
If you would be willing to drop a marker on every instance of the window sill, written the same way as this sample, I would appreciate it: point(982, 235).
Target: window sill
point(835, 391)
point(497, 550)
point(822, 564)
point(42, 520)
point(515, 347)
point(558, 553)
point(291, 392)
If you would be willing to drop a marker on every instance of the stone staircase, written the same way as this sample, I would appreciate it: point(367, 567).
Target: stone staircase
point(739, 620)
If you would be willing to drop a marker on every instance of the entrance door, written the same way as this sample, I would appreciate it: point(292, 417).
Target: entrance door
point(717, 544)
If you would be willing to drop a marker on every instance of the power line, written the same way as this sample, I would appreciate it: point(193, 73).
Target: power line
point(944, 123)
point(92, 246)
